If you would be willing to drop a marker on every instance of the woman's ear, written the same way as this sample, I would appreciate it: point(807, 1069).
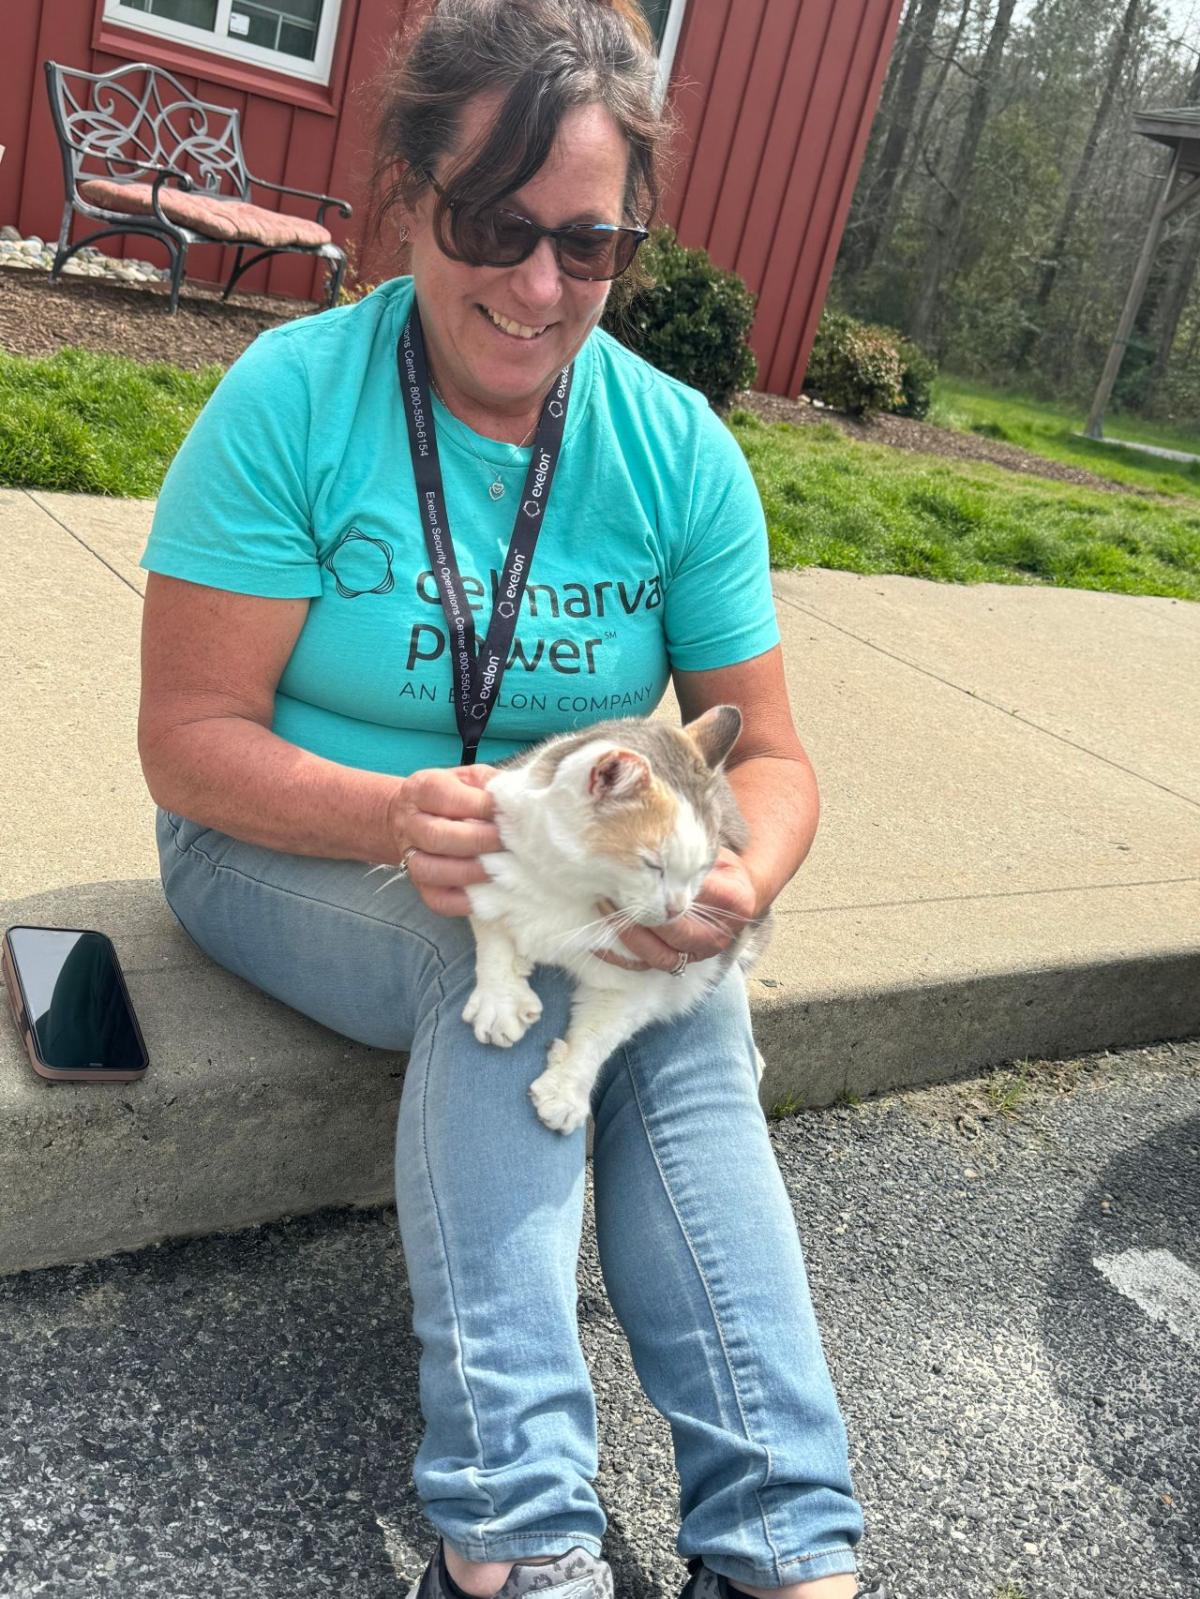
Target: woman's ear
point(716, 732)
point(618, 775)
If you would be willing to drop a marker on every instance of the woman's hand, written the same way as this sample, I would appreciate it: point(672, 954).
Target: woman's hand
point(727, 900)
point(445, 817)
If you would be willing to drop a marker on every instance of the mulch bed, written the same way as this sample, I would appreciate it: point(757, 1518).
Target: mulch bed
point(922, 438)
point(38, 317)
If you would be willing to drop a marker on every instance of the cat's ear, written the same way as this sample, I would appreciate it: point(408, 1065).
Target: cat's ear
point(618, 775)
point(716, 732)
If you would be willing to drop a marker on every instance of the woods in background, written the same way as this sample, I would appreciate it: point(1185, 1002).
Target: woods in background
point(1004, 197)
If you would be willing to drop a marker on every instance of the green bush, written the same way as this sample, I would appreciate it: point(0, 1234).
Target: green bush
point(855, 367)
point(916, 379)
point(691, 320)
point(860, 368)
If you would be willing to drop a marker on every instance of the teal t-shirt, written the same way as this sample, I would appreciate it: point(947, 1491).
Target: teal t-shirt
point(296, 482)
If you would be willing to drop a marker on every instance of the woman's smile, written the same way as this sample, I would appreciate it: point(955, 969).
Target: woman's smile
point(512, 328)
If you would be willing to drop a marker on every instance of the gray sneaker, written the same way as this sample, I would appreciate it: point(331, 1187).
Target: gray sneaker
point(575, 1575)
point(706, 1584)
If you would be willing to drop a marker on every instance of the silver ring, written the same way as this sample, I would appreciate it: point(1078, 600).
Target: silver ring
point(402, 869)
point(680, 965)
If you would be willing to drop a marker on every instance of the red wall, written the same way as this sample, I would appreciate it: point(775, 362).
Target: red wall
point(775, 99)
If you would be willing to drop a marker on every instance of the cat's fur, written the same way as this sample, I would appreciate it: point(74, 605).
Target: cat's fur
point(589, 816)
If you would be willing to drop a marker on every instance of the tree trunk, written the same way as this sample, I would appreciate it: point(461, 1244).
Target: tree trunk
point(924, 14)
point(949, 219)
point(893, 200)
point(1121, 47)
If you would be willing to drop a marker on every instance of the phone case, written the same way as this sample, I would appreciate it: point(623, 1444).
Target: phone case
point(16, 1001)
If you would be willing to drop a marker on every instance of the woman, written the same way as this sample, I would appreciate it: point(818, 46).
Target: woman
point(303, 713)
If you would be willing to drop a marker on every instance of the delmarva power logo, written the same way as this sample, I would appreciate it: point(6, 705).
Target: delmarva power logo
point(360, 564)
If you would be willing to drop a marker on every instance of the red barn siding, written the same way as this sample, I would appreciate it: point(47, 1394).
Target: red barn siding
point(776, 103)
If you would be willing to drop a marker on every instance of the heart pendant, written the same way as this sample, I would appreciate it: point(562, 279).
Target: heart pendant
point(497, 490)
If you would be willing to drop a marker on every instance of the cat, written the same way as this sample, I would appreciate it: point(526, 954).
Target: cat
point(632, 811)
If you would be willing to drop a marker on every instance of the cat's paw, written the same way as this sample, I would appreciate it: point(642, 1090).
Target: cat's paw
point(502, 1016)
point(560, 1104)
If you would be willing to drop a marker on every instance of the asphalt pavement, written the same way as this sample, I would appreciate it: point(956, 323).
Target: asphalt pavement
point(1006, 1271)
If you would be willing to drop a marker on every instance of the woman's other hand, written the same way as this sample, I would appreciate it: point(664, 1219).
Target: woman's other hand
point(445, 817)
point(727, 900)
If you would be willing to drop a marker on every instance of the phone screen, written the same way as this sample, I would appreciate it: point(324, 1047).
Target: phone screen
point(74, 999)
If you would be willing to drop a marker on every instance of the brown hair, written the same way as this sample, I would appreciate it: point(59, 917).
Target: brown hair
point(543, 57)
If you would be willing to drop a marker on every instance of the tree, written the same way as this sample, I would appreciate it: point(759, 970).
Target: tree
point(949, 214)
point(902, 109)
point(1122, 44)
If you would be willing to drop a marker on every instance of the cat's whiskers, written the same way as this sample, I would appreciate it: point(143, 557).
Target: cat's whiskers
point(716, 915)
point(584, 934)
point(388, 881)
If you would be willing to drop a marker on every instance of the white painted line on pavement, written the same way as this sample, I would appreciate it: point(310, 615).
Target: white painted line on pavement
point(1166, 1288)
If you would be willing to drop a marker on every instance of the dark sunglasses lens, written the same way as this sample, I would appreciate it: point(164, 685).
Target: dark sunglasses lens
point(589, 252)
point(494, 237)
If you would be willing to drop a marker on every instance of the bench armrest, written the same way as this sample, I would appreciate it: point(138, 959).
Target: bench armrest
point(326, 200)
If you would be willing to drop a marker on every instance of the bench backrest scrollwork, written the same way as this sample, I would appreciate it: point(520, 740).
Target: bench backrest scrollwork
point(118, 124)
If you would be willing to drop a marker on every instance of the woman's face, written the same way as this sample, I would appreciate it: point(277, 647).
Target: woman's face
point(546, 315)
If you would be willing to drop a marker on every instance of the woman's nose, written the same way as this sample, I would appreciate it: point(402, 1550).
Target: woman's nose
point(538, 279)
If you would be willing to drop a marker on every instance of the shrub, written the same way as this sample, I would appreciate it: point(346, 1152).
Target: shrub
point(860, 368)
point(916, 379)
point(855, 367)
point(691, 321)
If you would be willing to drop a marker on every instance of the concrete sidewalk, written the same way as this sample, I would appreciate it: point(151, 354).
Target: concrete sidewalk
point(1008, 865)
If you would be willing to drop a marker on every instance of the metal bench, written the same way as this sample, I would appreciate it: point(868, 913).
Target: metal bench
point(142, 155)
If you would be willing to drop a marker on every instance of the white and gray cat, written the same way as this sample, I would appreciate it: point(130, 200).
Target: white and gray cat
point(629, 811)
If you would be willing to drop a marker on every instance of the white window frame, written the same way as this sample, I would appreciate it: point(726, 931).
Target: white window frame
point(670, 41)
point(221, 42)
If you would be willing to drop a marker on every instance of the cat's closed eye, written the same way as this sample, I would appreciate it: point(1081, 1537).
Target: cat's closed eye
point(654, 863)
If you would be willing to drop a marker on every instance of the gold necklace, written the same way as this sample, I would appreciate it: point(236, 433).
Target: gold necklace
point(496, 488)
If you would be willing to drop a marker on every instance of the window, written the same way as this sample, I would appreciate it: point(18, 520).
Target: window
point(293, 36)
point(666, 19)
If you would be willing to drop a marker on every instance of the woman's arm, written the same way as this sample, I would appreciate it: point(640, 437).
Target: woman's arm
point(211, 660)
point(769, 770)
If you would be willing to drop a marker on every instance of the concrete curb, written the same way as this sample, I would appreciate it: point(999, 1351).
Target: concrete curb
point(1008, 866)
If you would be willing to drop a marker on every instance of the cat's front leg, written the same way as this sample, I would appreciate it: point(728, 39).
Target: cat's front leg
point(601, 1021)
point(502, 1006)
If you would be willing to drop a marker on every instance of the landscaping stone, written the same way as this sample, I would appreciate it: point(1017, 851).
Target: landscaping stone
point(33, 252)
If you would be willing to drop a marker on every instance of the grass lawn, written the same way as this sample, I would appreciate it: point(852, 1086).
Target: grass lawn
point(831, 501)
point(1048, 429)
point(94, 424)
point(102, 425)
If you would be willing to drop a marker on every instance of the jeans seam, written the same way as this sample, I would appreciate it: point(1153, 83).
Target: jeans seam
point(312, 899)
point(637, 1099)
point(437, 1018)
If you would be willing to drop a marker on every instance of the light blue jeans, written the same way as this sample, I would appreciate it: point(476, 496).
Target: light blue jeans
point(695, 1231)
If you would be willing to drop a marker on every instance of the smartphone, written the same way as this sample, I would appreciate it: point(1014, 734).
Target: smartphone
point(67, 993)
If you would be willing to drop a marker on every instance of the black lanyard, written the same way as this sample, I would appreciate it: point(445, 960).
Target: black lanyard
point(476, 675)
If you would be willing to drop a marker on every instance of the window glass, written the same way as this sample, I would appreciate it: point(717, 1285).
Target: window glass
point(657, 12)
point(196, 13)
point(286, 25)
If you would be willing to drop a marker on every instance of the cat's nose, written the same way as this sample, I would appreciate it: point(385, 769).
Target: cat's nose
point(676, 905)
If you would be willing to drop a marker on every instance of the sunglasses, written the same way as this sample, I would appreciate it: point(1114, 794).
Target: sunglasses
point(497, 237)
